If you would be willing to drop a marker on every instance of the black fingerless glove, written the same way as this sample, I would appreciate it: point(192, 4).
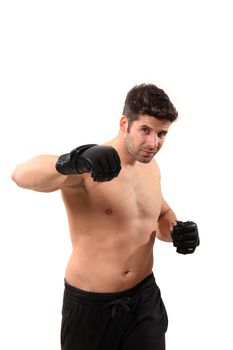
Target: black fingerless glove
point(103, 162)
point(185, 237)
point(71, 163)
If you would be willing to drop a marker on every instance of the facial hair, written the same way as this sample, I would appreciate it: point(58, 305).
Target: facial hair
point(137, 154)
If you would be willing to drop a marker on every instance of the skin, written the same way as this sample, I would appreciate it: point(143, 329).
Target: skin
point(113, 225)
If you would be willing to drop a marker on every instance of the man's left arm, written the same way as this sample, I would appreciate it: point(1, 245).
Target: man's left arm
point(184, 235)
point(167, 220)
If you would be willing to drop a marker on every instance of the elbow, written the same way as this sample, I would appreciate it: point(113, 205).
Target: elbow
point(19, 177)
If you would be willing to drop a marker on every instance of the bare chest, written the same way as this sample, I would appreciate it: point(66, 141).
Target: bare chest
point(131, 195)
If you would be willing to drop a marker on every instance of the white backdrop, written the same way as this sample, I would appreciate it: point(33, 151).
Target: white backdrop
point(66, 67)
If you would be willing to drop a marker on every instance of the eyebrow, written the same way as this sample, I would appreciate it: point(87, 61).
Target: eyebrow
point(151, 129)
point(146, 126)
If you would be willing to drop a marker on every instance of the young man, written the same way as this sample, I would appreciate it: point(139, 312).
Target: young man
point(115, 210)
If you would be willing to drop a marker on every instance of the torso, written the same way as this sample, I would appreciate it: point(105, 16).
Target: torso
point(113, 228)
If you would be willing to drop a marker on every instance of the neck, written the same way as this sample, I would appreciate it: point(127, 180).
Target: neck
point(118, 144)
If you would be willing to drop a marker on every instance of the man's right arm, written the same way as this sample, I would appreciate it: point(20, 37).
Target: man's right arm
point(40, 174)
point(50, 173)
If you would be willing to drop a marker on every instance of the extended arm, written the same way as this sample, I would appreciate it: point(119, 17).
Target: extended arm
point(40, 174)
point(50, 173)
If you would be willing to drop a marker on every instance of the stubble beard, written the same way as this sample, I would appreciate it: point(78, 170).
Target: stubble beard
point(144, 159)
point(138, 156)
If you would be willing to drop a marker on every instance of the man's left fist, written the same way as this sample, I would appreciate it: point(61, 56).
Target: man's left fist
point(185, 237)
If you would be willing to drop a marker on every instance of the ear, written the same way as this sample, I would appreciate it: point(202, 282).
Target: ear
point(124, 123)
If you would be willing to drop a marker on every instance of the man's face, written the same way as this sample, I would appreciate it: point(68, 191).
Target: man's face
point(145, 137)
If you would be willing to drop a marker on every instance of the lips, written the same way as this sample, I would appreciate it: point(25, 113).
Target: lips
point(148, 153)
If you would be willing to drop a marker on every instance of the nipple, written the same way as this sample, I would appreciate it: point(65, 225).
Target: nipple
point(108, 212)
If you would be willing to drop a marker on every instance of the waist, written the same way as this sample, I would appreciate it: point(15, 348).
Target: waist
point(87, 297)
point(108, 270)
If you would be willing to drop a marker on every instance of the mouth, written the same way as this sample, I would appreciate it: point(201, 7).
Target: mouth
point(148, 154)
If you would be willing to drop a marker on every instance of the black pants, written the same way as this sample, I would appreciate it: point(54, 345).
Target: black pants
point(129, 320)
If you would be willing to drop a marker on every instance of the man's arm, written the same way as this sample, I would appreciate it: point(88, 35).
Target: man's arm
point(40, 174)
point(166, 222)
point(50, 173)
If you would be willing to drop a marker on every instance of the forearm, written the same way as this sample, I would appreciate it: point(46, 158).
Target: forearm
point(166, 222)
point(39, 174)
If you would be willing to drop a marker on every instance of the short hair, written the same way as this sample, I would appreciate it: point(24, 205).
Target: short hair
point(150, 100)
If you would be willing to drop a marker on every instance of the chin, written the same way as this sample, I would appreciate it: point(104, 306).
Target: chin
point(145, 160)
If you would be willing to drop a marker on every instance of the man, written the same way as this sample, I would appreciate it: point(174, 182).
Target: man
point(115, 211)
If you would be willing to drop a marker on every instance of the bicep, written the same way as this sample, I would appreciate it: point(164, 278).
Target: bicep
point(64, 181)
point(39, 174)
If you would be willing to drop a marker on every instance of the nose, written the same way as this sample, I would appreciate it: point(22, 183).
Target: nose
point(153, 141)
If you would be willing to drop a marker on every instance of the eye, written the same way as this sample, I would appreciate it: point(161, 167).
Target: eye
point(145, 130)
point(162, 134)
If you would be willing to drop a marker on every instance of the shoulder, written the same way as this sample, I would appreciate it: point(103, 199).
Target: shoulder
point(154, 167)
point(157, 167)
point(150, 171)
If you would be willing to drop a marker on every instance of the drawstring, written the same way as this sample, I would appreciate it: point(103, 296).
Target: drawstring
point(123, 302)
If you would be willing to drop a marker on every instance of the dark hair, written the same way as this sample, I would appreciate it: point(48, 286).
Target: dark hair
point(148, 99)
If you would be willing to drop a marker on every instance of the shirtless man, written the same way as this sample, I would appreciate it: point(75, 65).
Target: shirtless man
point(115, 211)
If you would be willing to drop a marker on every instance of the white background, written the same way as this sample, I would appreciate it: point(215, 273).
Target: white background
point(66, 67)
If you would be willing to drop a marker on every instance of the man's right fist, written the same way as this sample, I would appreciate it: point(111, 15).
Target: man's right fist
point(103, 162)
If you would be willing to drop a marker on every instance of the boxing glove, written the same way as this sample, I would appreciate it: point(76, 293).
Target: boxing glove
point(103, 162)
point(185, 237)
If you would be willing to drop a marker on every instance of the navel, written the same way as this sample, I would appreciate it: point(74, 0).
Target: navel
point(108, 212)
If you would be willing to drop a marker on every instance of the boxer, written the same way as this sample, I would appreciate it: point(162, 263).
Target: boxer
point(116, 210)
